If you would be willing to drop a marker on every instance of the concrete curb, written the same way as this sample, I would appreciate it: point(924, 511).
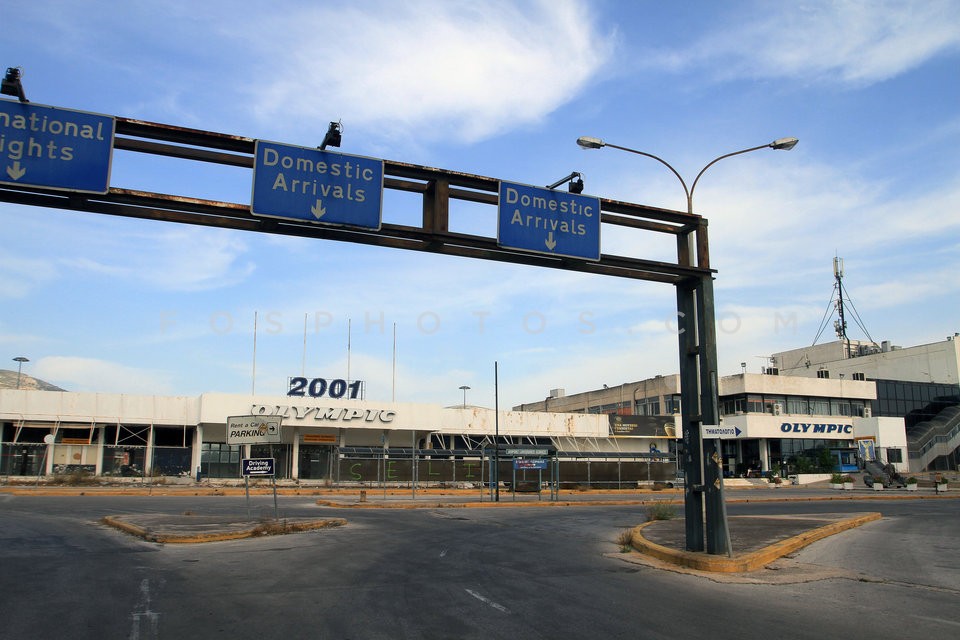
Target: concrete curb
point(605, 503)
point(255, 529)
point(489, 504)
point(749, 561)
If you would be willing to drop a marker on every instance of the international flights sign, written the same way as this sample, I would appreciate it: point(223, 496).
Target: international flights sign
point(306, 184)
point(55, 148)
point(542, 220)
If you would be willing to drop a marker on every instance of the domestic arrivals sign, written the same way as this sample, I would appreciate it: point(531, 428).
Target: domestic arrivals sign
point(253, 429)
point(306, 184)
point(547, 221)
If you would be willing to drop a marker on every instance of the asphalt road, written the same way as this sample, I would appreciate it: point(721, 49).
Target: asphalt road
point(460, 573)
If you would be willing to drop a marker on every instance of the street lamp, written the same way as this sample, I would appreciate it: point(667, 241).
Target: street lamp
point(464, 389)
point(698, 375)
point(20, 360)
point(781, 144)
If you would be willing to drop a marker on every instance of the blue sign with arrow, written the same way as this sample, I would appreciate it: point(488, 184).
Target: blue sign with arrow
point(547, 221)
point(310, 185)
point(55, 148)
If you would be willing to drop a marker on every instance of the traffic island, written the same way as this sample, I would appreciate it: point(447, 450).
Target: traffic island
point(192, 529)
point(756, 540)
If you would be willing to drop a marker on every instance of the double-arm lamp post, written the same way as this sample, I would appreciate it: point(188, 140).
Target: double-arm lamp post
point(699, 394)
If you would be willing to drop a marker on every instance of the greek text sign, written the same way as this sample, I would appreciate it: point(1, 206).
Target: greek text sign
point(716, 431)
point(539, 464)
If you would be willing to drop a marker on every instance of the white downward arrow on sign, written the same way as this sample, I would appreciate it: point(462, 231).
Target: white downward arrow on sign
point(550, 242)
point(318, 210)
point(16, 171)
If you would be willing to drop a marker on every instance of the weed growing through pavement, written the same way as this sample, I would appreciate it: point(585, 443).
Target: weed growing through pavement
point(661, 511)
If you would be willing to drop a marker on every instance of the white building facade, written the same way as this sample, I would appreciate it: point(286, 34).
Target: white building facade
point(49, 433)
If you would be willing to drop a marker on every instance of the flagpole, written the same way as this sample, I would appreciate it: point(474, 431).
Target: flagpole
point(253, 386)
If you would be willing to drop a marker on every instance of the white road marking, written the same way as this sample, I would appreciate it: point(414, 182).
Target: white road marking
point(443, 554)
point(142, 612)
point(498, 607)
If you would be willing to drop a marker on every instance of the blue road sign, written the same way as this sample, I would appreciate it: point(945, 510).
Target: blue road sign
point(547, 221)
point(55, 148)
point(258, 466)
point(537, 463)
point(310, 185)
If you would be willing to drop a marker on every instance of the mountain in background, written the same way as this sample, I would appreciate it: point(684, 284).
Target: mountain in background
point(8, 380)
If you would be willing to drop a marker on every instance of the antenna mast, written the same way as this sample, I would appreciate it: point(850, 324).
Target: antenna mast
point(840, 325)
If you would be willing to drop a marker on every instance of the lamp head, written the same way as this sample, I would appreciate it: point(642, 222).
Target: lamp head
point(587, 142)
point(11, 85)
point(575, 184)
point(784, 144)
point(332, 137)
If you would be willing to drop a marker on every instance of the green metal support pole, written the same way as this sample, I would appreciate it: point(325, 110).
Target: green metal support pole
point(718, 537)
point(691, 453)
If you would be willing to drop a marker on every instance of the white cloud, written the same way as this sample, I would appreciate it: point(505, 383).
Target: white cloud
point(20, 275)
point(857, 42)
point(175, 259)
point(434, 70)
point(93, 375)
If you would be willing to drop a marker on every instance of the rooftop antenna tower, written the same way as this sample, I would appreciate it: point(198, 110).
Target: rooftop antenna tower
point(840, 324)
point(844, 307)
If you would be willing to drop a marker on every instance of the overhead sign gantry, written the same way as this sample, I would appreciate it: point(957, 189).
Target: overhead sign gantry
point(294, 193)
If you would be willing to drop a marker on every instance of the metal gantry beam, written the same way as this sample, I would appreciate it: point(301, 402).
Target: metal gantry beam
point(437, 188)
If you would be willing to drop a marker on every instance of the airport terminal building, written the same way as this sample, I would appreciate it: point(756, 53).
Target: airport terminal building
point(776, 419)
point(322, 440)
point(898, 405)
point(845, 400)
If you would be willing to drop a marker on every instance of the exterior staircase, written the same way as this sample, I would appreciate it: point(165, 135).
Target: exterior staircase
point(931, 439)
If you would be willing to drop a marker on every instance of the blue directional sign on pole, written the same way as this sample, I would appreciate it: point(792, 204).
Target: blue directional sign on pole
point(258, 466)
point(55, 148)
point(547, 221)
point(310, 185)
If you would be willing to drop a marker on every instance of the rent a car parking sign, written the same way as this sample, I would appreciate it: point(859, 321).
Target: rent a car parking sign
point(306, 184)
point(542, 220)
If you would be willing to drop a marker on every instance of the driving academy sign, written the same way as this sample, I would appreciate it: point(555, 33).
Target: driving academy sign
point(258, 467)
point(253, 429)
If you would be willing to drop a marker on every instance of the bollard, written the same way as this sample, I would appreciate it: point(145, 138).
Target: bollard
point(363, 496)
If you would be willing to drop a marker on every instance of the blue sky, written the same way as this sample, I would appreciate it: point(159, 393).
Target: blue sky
point(500, 89)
